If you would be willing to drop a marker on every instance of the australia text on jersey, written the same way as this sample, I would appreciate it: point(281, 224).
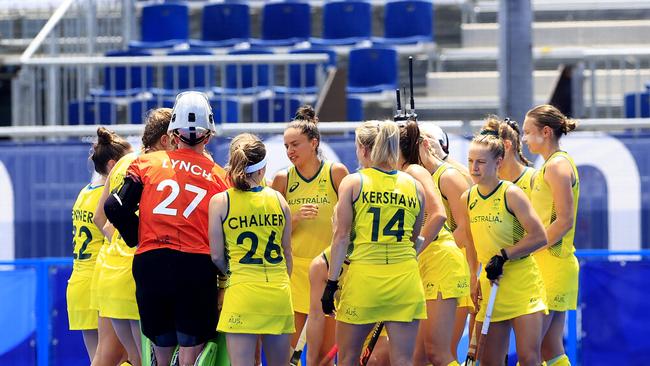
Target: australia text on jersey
point(486, 218)
point(309, 200)
point(187, 166)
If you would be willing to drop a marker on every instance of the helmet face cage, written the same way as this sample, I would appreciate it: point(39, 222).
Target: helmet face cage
point(192, 119)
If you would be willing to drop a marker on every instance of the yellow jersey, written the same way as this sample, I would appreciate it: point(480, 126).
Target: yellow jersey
point(310, 237)
point(492, 224)
point(118, 246)
point(384, 216)
point(87, 238)
point(253, 230)
point(450, 225)
point(542, 200)
point(525, 180)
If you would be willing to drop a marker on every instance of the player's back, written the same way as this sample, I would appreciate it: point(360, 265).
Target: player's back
point(177, 187)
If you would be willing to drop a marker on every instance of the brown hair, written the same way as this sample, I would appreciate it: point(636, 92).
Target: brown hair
point(409, 142)
point(109, 146)
point(305, 121)
point(382, 137)
point(305, 113)
point(245, 149)
point(547, 115)
point(507, 130)
point(156, 124)
point(492, 141)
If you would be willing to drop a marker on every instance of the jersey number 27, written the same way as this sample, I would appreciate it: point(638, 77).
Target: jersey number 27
point(163, 207)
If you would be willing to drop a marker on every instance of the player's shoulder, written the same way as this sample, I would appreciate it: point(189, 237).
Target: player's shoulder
point(417, 170)
point(127, 159)
point(150, 157)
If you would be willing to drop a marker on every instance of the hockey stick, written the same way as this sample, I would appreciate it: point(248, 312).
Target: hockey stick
point(329, 356)
point(474, 355)
point(297, 352)
point(370, 346)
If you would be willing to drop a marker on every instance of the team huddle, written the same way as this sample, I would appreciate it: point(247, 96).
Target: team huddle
point(173, 252)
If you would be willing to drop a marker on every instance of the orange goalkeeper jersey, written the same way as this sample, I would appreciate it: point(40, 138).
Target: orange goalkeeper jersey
point(177, 187)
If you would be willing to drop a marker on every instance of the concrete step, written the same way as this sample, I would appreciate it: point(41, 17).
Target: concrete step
point(550, 34)
point(611, 85)
point(571, 10)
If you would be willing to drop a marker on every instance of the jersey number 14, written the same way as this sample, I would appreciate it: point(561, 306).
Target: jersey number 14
point(389, 228)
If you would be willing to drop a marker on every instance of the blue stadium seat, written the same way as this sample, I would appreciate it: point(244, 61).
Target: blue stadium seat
point(138, 108)
point(345, 23)
point(407, 22)
point(224, 25)
point(123, 81)
point(303, 78)
point(91, 112)
point(197, 77)
point(355, 109)
point(247, 79)
point(642, 100)
point(372, 70)
point(163, 26)
point(225, 110)
point(278, 109)
point(284, 24)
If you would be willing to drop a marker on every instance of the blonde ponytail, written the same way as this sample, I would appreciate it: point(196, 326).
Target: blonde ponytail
point(386, 146)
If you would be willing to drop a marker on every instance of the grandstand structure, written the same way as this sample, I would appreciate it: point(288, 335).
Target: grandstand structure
point(67, 66)
point(254, 57)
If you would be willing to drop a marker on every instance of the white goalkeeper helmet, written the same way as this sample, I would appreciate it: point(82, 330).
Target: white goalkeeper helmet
point(192, 118)
point(435, 132)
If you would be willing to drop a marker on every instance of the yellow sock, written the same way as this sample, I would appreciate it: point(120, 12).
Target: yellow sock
point(561, 360)
point(126, 363)
point(453, 363)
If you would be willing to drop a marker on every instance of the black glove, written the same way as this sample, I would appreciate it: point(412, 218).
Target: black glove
point(494, 268)
point(328, 297)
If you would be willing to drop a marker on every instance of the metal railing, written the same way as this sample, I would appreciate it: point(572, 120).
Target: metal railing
point(462, 128)
point(612, 73)
point(78, 27)
point(98, 89)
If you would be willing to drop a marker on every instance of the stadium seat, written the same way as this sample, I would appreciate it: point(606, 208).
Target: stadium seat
point(224, 25)
point(124, 81)
point(277, 109)
point(91, 112)
point(246, 79)
point(642, 100)
point(303, 79)
point(163, 26)
point(197, 77)
point(284, 24)
point(407, 22)
point(355, 109)
point(225, 110)
point(138, 108)
point(345, 23)
point(372, 70)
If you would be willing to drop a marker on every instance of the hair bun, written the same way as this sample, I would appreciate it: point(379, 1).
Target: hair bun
point(569, 125)
point(306, 113)
point(104, 136)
